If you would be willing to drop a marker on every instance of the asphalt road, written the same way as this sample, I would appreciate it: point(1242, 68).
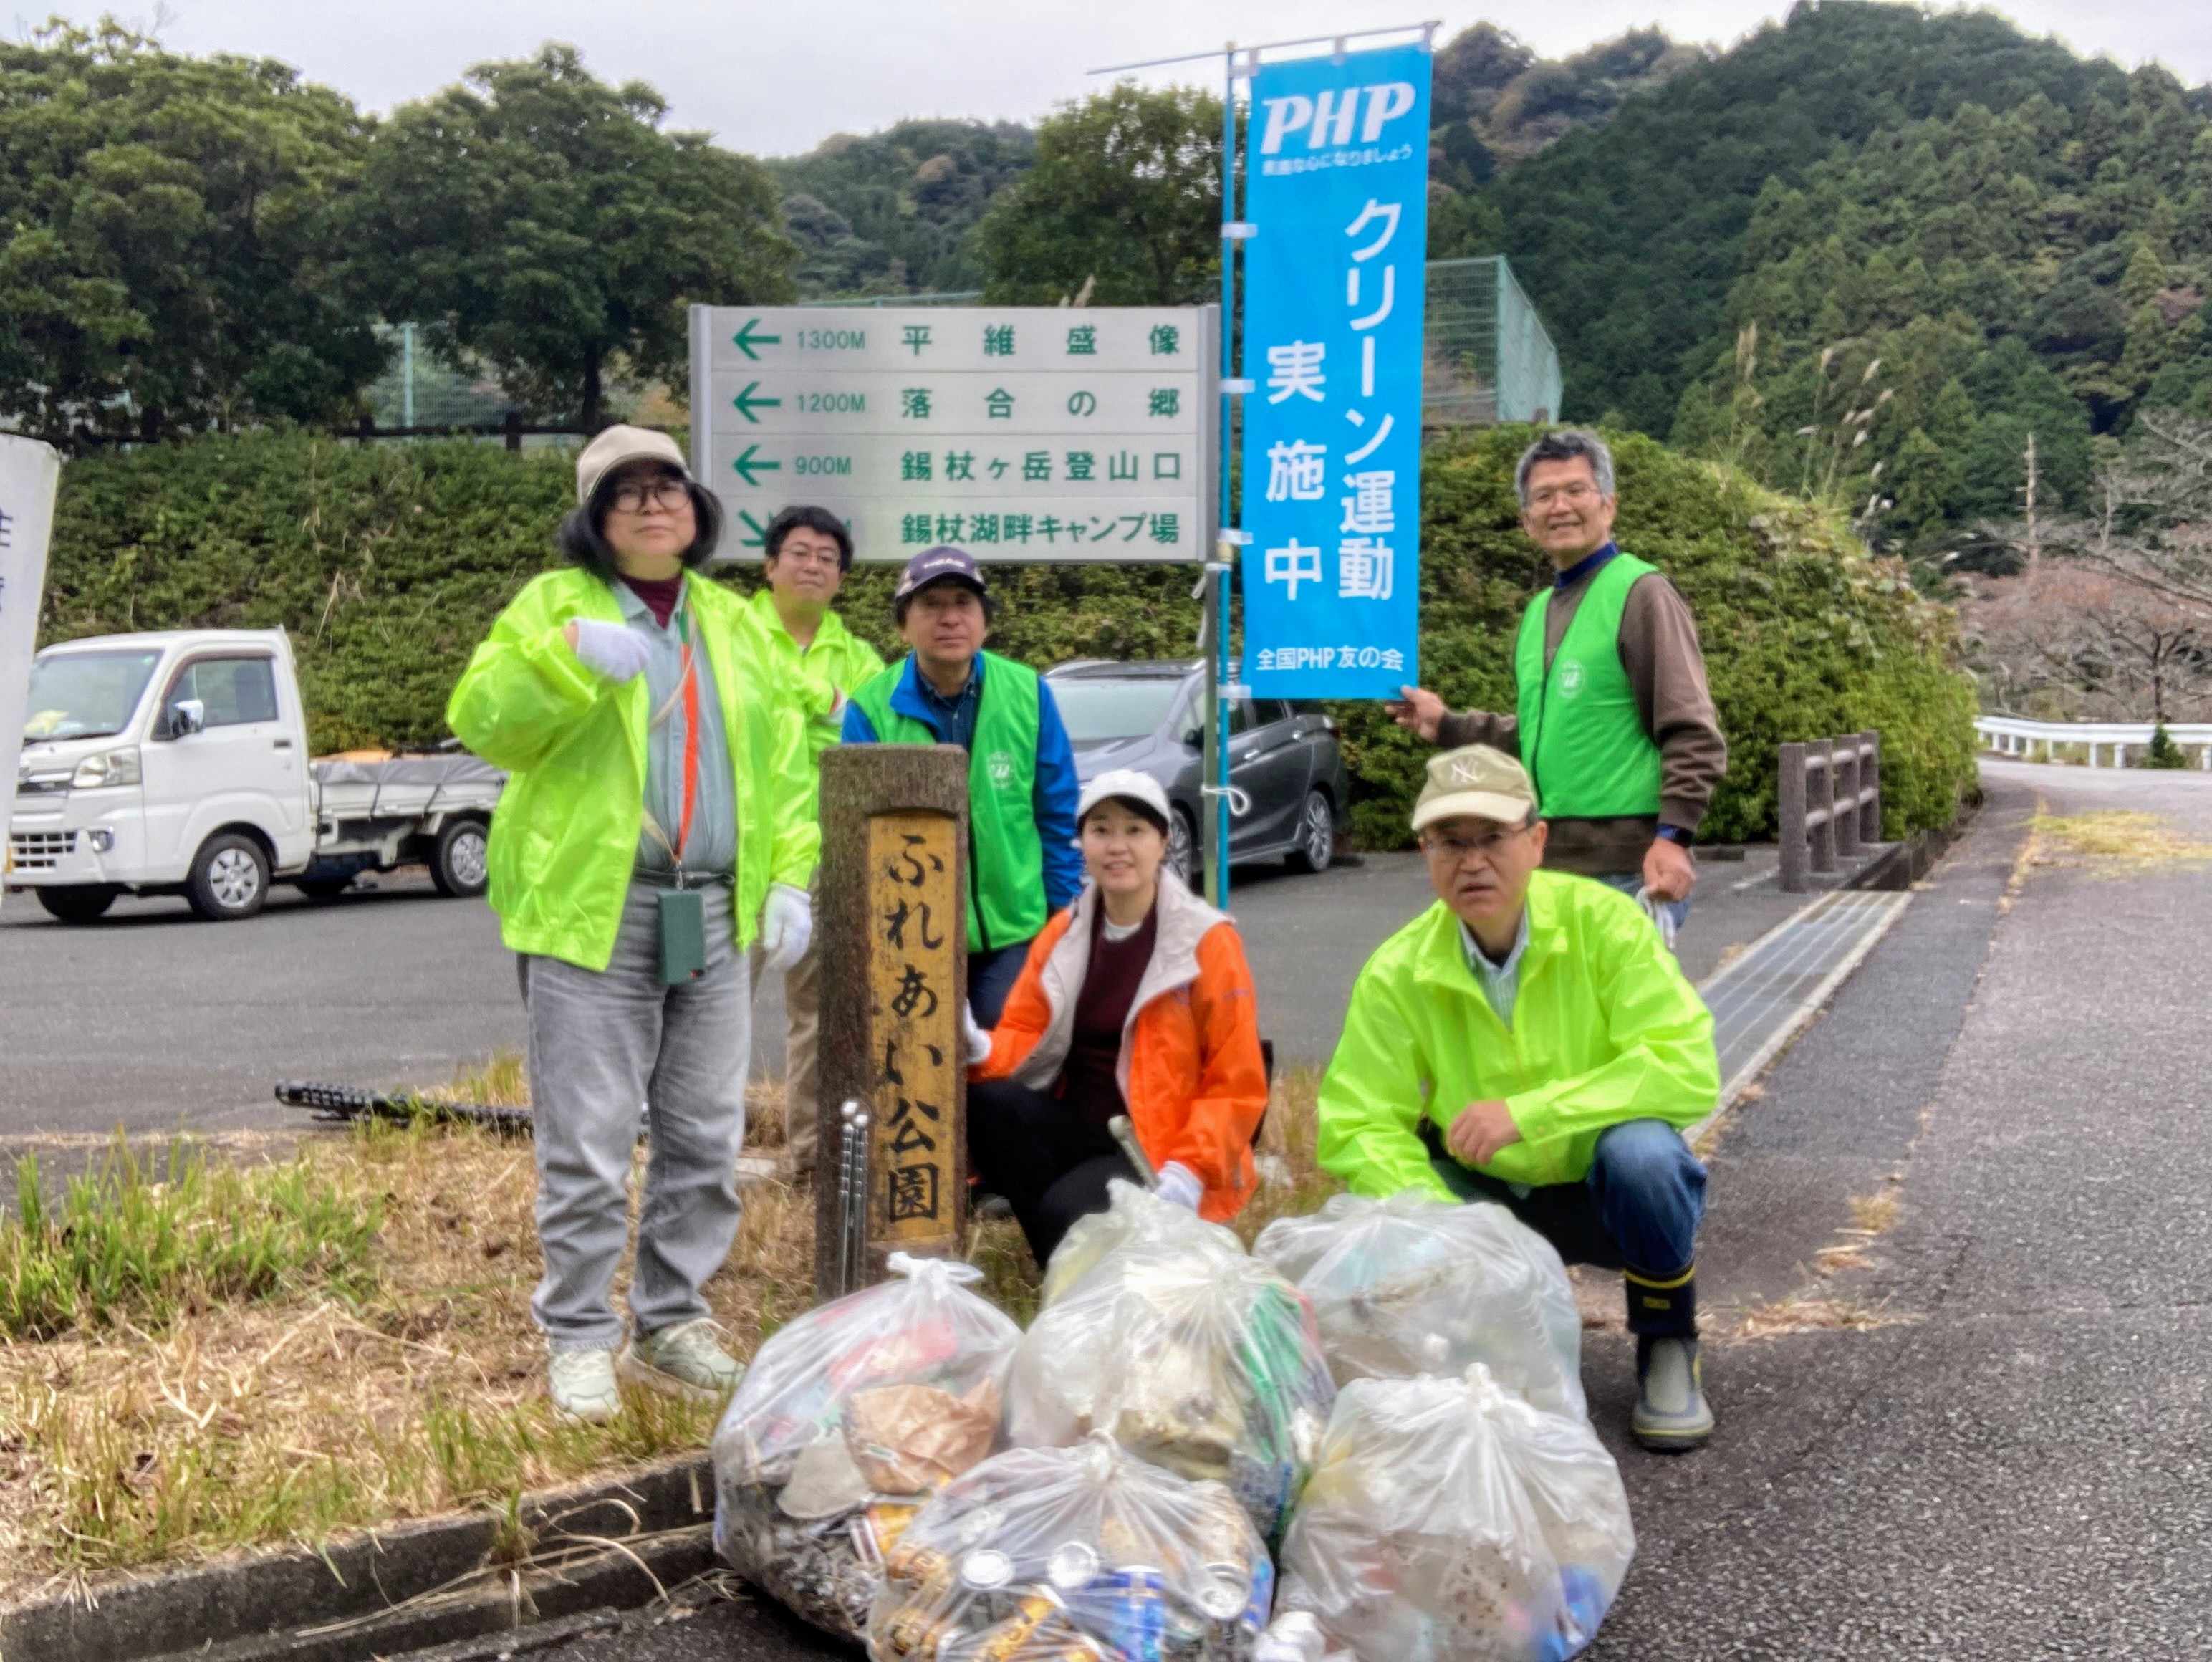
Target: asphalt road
point(2012, 1464)
point(153, 1020)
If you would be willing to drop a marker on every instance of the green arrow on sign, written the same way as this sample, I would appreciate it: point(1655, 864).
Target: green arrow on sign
point(747, 403)
point(759, 538)
point(744, 340)
point(746, 466)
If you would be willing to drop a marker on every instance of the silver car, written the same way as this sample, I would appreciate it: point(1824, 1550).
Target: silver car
point(1294, 790)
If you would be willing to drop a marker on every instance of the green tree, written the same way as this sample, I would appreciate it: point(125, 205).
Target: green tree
point(538, 221)
point(163, 239)
point(1125, 196)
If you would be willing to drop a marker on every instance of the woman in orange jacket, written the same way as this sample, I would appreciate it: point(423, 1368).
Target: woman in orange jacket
point(1136, 999)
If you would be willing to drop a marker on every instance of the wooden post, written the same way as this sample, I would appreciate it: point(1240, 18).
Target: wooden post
point(1791, 829)
point(513, 427)
point(1843, 769)
point(1821, 804)
point(1870, 788)
point(893, 943)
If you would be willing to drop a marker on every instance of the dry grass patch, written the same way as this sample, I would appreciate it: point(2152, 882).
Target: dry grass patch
point(408, 1385)
point(2117, 840)
point(1817, 1313)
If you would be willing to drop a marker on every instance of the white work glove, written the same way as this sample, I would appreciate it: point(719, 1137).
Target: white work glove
point(978, 1041)
point(1661, 914)
point(787, 925)
point(1179, 1184)
point(616, 650)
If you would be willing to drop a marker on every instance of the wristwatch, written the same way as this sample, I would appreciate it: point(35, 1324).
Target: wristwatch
point(1677, 834)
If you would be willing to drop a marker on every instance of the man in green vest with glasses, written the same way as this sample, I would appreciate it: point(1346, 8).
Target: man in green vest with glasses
point(1022, 788)
point(1615, 721)
point(805, 554)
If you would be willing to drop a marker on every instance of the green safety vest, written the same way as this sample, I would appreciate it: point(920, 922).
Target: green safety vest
point(1582, 737)
point(1006, 854)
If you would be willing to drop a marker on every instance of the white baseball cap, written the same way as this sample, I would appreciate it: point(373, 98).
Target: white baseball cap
point(618, 447)
point(1139, 790)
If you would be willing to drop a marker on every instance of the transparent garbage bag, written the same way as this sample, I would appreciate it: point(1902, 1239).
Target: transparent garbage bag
point(1063, 1554)
point(1193, 1357)
point(1132, 1217)
point(1447, 1521)
point(1414, 1285)
point(850, 1414)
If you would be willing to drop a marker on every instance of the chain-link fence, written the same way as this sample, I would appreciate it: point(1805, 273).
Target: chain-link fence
point(418, 391)
point(1490, 357)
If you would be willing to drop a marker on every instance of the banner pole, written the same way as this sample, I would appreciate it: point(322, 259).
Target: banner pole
point(1220, 674)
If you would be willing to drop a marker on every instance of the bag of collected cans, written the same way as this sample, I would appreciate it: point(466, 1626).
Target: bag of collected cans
point(851, 1414)
point(1073, 1554)
point(1447, 1521)
point(1200, 1360)
point(1132, 1217)
point(1413, 1285)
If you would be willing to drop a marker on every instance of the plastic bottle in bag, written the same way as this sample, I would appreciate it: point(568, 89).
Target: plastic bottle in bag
point(1448, 1521)
point(850, 1414)
point(1132, 1217)
point(1192, 1357)
point(1412, 1285)
point(1050, 1555)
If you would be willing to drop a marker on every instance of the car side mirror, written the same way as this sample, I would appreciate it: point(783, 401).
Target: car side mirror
point(187, 715)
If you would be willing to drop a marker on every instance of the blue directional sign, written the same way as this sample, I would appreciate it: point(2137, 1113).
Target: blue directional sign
point(1337, 191)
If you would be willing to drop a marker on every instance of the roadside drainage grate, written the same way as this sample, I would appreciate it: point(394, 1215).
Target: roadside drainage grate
point(1761, 1000)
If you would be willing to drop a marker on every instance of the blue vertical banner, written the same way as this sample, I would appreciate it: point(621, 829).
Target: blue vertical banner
point(1337, 189)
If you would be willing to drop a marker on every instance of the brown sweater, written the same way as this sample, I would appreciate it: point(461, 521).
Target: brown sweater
point(1659, 649)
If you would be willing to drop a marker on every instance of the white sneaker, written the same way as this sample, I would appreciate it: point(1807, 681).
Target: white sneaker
point(584, 1388)
point(684, 1361)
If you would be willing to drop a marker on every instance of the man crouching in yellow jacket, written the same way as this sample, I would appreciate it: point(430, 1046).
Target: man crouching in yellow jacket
point(1529, 1040)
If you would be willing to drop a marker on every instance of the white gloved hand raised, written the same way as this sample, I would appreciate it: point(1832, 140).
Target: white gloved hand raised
point(1179, 1184)
point(979, 1040)
point(787, 925)
point(616, 650)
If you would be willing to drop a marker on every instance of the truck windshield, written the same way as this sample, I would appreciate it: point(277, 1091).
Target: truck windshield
point(1099, 709)
point(86, 695)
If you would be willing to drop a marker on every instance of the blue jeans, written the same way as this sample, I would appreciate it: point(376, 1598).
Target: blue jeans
point(1628, 882)
point(991, 977)
point(1637, 1210)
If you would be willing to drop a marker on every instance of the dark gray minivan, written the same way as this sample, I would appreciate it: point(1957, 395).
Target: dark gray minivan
point(1284, 760)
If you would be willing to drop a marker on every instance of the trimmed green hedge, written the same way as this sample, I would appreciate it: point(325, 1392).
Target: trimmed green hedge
point(388, 562)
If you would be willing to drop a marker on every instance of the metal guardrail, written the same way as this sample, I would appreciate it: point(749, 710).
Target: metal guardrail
point(2012, 735)
point(1831, 804)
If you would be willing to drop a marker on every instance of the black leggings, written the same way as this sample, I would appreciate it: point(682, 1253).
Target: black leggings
point(1050, 1164)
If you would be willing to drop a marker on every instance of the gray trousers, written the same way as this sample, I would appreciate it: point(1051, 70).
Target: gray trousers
point(601, 1044)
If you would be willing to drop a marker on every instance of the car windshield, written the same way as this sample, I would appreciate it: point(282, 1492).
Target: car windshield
point(1098, 710)
point(86, 695)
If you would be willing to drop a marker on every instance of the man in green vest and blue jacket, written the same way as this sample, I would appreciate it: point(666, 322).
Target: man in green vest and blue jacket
point(1614, 722)
point(1022, 788)
point(1529, 1040)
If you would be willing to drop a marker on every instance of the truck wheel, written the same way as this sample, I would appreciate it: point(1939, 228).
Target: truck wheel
point(80, 902)
point(459, 863)
point(229, 878)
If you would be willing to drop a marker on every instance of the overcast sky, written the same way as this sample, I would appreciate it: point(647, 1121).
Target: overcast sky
point(776, 76)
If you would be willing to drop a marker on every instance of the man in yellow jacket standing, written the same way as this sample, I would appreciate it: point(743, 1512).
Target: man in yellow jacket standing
point(1530, 1040)
point(804, 555)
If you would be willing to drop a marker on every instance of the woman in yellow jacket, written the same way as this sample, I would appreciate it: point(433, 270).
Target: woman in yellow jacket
point(659, 815)
point(1136, 999)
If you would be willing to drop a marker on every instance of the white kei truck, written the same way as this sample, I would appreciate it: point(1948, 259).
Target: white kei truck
point(176, 763)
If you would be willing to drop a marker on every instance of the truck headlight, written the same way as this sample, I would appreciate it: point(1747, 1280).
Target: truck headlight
point(106, 767)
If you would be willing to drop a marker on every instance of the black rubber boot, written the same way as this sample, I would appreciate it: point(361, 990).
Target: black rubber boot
point(1671, 1413)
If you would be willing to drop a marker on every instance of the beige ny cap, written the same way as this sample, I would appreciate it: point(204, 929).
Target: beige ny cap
point(1474, 780)
point(616, 445)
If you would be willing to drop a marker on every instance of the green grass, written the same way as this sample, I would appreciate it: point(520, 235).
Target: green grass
point(140, 1240)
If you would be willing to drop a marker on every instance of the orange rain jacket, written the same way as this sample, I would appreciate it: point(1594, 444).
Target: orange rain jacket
point(1190, 1068)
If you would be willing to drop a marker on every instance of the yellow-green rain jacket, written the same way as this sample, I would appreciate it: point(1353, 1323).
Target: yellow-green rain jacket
point(564, 838)
point(1605, 1029)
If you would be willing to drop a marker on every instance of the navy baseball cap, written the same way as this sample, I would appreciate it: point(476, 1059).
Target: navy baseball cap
point(942, 564)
